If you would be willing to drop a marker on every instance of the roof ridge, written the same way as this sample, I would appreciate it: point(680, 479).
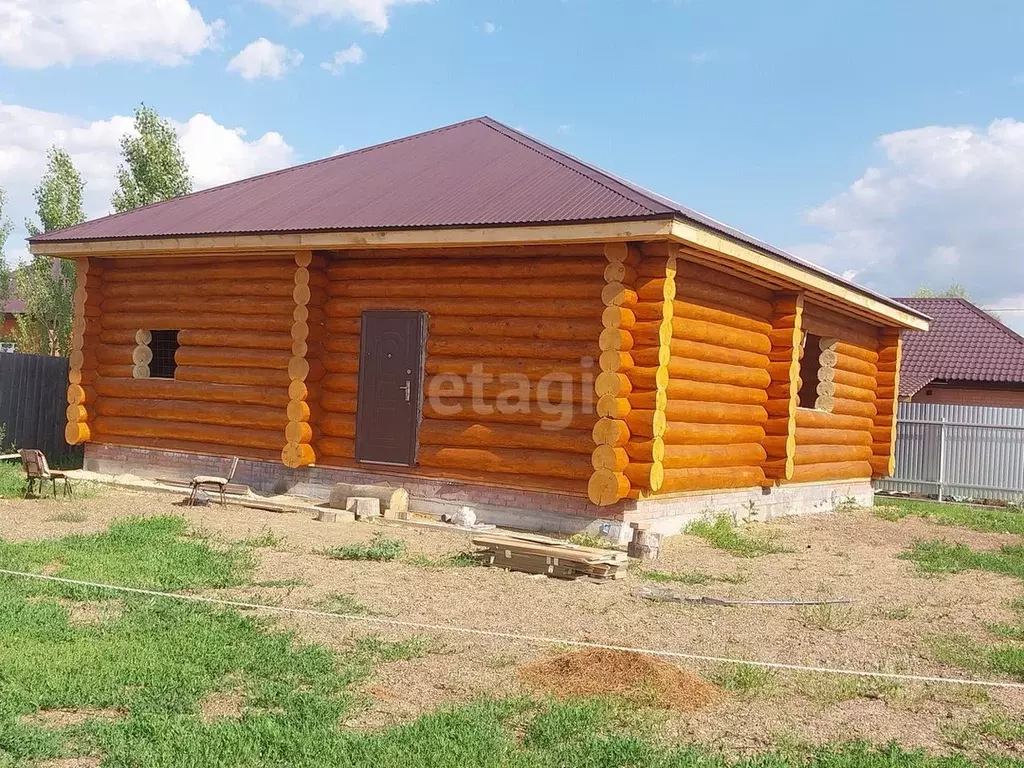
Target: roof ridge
point(596, 174)
point(269, 174)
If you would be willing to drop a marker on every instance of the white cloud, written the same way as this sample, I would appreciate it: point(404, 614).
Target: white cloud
point(701, 57)
point(215, 153)
point(42, 33)
point(373, 13)
point(565, 129)
point(262, 58)
point(490, 27)
point(945, 205)
point(353, 55)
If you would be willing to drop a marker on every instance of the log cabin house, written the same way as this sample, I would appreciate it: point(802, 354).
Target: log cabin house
point(482, 319)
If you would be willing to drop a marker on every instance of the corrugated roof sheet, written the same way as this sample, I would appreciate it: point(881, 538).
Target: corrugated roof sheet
point(965, 343)
point(474, 173)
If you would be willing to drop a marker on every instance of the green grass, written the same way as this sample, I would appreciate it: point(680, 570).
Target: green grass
point(156, 661)
point(946, 557)
point(721, 533)
point(379, 548)
point(339, 602)
point(828, 617)
point(266, 538)
point(744, 679)
point(584, 539)
point(689, 577)
point(12, 480)
point(985, 519)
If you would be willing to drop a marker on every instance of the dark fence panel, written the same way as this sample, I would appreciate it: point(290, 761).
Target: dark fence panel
point(33, 401)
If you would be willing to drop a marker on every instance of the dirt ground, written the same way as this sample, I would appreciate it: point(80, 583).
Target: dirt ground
point(851, 554)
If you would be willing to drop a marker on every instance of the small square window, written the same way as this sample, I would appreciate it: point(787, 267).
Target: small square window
point(163, 346)
point(810, 365)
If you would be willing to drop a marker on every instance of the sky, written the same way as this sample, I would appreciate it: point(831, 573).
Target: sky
point(881, 140)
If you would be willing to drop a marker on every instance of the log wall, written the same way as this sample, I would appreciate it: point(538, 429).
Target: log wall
point(834, 440)
point(512, 341)
point(717, 371)
point(230, 395)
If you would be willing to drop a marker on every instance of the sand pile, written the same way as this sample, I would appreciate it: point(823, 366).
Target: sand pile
point(645, 679)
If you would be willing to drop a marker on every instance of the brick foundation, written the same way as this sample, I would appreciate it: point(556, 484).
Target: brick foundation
point(507, 507)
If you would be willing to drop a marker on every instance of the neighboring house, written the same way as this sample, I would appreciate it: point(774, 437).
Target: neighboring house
point(967, 357)
point(482, 319)
point(12, 308)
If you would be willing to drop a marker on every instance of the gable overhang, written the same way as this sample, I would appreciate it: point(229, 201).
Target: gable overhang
point(773, 268)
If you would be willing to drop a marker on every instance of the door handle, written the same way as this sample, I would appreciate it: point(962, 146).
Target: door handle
point(408, 391)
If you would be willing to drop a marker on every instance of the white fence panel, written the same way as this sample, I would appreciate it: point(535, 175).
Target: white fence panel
point(959, 450)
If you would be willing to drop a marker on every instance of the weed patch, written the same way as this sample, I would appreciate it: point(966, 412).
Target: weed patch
point(584, 539)
point(743, 679)
point(68, 517)
point(723, 534)
point(451, 560)
point(944, 557)
point(379, 548)
point(342, 603)
point(985, 519)
point(828, 617)
point(375, 648)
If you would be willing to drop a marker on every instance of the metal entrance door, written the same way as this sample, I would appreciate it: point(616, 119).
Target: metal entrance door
point(390, 396)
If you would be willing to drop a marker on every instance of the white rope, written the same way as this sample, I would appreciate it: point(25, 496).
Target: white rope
point(536, 639)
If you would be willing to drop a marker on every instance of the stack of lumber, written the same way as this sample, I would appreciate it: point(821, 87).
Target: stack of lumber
point(552, 557)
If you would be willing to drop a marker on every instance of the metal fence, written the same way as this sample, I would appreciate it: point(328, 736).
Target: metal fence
point(961, 451)
point(33, 403)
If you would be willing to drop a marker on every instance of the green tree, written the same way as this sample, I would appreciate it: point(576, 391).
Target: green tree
point(954, 291)
point(6, 226)
point(47, 285)
point(153, 167)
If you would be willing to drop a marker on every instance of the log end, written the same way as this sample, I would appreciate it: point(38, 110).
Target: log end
point(76, 432)
point(295, 455)
point(606, 487)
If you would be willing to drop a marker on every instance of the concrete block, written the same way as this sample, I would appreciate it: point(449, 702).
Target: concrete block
point(394, 501)
point(364, 507)
point(335, 516)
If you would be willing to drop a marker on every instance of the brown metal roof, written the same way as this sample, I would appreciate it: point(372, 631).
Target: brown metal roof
point(965, 344)
point(478, 172)
point(474, 173)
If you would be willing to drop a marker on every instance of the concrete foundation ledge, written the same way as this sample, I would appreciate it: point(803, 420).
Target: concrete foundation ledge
point(504, 507)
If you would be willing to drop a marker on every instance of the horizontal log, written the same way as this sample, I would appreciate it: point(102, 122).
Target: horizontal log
point(338, 402)
point(337, 424)
point(234, 306)
point(855, 365)
point(116, 371)
point(718, 373)
point(694, 268)
point(172, 271)
point(695, 350)
point(882, 466)
point(203, 433)
point(703, 312)
point(234, 339)
point(779, 446)
point(186, 288)
point(645, 423)
point(568, 329)
point(812, 436)
point(108, 354)
point(713, 456)
point(847, 392)
point(699, 292)
point(160, 389)
point(485, 288)
point(225, 414)
point(228, 357)
point(685, 433)
point(707, 479)
point(807, 417)
point(193, 319)
point(78, 376)
point(823, 322)
point(851, 379)
point(720, 335)
point(559, 308)
point(227, 452)
point(340, 363)
point(606, 487)
point(850, 470)
point(328, 447)
point(830, 454)
point(509, 390)
point(655, 288)
point(641, 449)
point(464, 346)
point(845, 407)
point(496, 366)
point(119, 337)
point(485, 435)
point(508, 461)
point(244, 376)
point(544, 416)
point(715, 413)
point(343, 382)
point(645, 476)
point(853, 350)
point(450, 269)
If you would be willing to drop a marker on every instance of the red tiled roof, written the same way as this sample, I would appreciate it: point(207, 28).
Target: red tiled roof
point(965, 343)
point(14, 307)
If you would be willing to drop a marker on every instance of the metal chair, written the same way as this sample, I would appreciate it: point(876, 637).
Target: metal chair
point(37, 472)
point(219, 483)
